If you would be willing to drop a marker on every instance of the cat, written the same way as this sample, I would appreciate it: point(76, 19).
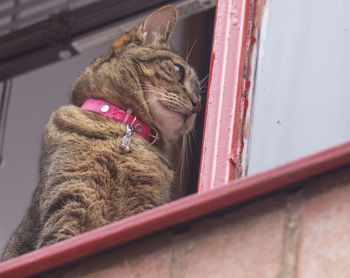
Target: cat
point(95, 169)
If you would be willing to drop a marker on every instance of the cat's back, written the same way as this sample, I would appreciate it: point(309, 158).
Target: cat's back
point(82, 151)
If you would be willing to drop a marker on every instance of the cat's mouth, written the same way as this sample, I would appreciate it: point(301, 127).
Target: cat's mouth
point(187, 116)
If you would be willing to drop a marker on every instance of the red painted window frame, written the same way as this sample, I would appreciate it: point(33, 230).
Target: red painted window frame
point(220, 154)
point(225, 103)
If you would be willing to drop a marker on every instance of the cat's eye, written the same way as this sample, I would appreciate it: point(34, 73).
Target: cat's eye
point(180, 72)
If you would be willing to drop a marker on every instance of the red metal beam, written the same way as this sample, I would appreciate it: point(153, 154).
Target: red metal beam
point(220, 148)
point(174, 213)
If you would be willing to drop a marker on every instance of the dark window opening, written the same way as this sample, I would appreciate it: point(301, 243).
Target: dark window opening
point(198, 33)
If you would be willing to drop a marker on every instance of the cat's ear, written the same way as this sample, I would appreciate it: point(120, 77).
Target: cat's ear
point(156, 28)
point(159, 26)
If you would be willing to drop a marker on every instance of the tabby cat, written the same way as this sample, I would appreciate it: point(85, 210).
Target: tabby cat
point(94, 169)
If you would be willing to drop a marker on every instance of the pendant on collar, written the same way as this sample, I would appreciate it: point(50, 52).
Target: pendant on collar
point(126, 138)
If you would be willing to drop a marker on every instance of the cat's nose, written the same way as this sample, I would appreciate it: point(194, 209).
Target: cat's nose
point(196, 106)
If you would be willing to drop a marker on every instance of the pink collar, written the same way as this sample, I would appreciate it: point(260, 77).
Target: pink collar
point(113, 112)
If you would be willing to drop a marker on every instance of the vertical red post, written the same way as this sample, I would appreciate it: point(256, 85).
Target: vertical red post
point(221, 142)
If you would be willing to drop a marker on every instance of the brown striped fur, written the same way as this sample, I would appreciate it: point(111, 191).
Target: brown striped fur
point(87, 179)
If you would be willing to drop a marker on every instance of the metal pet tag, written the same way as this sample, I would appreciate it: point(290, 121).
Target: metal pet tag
point(126, 138)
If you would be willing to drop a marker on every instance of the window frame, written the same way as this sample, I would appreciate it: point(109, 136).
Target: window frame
point(224, 118)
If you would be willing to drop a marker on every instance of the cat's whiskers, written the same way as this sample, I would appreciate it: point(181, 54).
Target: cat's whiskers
point(178, 103)
point(147, 101)
point(163, 92)
point(189, 52)
point(180, 169)
point(153, 100)
point(160, 91)
point(150, 90)
point(180, 100)
point(203, 85)
point(193, 136)
point(204, 79)
point(185, 154)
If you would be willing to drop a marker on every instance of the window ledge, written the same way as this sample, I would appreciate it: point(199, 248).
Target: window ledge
point(174, 213)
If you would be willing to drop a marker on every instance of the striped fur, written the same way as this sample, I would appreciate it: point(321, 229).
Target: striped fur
point(86, 179)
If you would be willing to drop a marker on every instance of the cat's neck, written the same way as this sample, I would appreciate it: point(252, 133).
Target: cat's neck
point(164, 146)
point(114, 112)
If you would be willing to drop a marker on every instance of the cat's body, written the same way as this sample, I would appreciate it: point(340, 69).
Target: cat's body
point(87, 179)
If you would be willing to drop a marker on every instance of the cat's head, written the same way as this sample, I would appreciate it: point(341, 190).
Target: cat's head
point(141, 72)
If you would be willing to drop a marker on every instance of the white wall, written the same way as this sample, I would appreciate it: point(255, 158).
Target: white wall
point(302, 85)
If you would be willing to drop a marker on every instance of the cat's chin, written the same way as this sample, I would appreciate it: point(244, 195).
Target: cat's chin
point(171, 123)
